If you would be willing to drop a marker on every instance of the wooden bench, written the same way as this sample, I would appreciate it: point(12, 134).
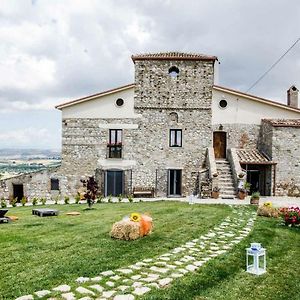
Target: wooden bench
point(143, 192)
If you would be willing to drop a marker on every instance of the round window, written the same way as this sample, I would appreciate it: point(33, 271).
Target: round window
point(223, 103)
point(120, 102)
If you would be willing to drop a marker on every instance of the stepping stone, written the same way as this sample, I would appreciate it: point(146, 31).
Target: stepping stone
point(170, 266)
point(97, 287)
point(62, 288)
point(159, 270)
point(97, 278)
point(137, 284)
point(135, 267)
point(43, 293)
point(110, 283)
point(86, 298)
point(124, 297)
point(191, 268)
point(176, 275)
point(26, 297)
point(165, 281)
point(162, 263)
point(149, 279)
point(107, 273)
point(164, 258)
point(198, 263)
point(178, 263)
point(136, 277)
point(82, 279)
point(195, 240)
point(183, 271)
point(148, 260)
point(140, 263)
point(125, 271)
point(68, 296)
point(123, 287)
point(116, 277)
point(108, 294)
point(125, 280)
point(167, 254)
point(82, 290)
point(154, 284)
point(141, 290)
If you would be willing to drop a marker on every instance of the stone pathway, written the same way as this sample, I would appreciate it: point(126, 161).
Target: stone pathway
point(135, 280)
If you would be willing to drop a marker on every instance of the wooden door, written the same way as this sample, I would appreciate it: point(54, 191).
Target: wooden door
point(220, 144)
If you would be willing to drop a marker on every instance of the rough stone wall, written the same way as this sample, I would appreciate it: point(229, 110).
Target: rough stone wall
point(84, 150)
point(158, 97)
point(36, 184)
point(286, 152)
point(240, 135)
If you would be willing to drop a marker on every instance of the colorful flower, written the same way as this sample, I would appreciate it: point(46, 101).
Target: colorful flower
point(268, 204)
point(135, 217)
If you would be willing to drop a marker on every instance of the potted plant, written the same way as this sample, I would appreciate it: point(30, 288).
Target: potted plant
point(215, 192)
point(243, 191)
point(255, 198)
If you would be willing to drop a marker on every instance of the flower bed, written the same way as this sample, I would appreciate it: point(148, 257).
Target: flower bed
point(290, 215)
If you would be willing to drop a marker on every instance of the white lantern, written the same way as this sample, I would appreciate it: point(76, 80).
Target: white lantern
point(256, 259)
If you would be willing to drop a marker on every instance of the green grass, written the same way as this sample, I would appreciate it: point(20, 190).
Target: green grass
point(225, 278)
point(41, 253)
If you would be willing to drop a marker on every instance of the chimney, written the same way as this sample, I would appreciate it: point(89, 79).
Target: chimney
point(292, 96)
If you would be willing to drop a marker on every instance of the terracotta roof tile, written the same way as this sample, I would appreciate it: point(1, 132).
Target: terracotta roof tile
point(283, 122)
point(252, 156)
point(172, 56)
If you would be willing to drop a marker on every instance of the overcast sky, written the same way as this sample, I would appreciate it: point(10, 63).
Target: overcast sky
point(52, 51)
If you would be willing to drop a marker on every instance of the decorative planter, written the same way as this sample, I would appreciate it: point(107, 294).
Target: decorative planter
point(215, 195)
point(254, 201)
point(242, 195)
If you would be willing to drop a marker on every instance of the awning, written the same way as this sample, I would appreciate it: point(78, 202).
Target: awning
point(253, 157)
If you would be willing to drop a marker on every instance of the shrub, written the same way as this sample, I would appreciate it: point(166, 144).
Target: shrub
point(130, 198)
point(3, 203)
point(255, 195)
point(99, 199)
point(77, 198)
point(91, 190)
point(109, 199)
point(56, 199)
point(23, 201)
point(34, 201)
point(291, 215)
point(120, 198)
point(43, 200)
point(13, 201)
point(67, 199)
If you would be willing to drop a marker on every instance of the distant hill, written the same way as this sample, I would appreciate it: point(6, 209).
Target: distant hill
point(7, 153)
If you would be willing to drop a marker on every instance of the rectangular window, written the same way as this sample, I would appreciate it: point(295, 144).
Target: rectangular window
point(54, 184)
point(175, 138)
point(115, 143)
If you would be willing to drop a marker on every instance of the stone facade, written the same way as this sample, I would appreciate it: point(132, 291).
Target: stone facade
point(171, 92)
point(158, 98)
point(281, 144)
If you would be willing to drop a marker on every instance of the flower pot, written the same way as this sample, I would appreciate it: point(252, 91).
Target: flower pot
point(254, 201)
point(215, 195)
point(242, 195)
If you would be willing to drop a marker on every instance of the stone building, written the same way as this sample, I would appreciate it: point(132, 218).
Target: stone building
point(173, 132)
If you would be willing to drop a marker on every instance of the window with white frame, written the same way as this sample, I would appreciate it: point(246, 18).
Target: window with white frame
point(175, 138)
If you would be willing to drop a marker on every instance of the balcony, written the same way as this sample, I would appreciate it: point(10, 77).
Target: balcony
point(114, 150)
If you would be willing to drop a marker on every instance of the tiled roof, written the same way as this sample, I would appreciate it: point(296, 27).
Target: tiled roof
point(252, 156)
point(283, 122)
point(172, 56)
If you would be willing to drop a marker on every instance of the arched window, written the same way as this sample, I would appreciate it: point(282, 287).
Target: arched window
point(173, 72)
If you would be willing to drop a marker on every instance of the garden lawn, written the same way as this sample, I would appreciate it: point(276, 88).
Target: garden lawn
point(41, 253)
point(224, 278)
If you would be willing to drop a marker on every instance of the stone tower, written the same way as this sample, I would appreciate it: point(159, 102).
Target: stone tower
point(173, 95)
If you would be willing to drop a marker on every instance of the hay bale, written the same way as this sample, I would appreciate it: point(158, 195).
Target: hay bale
point(268, 211)
point(125, 230)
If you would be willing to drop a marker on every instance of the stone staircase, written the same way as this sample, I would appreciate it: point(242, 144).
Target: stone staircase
point(225, 178)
